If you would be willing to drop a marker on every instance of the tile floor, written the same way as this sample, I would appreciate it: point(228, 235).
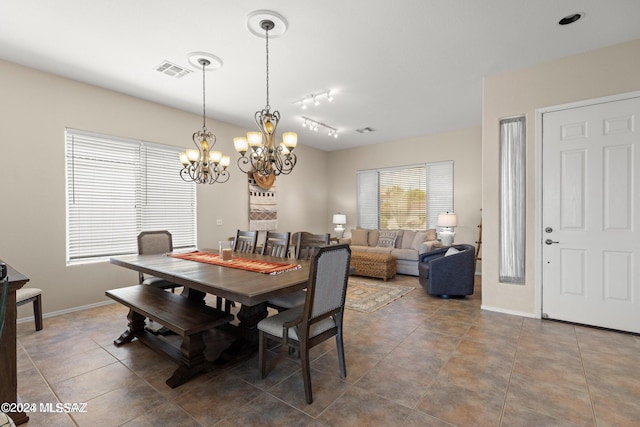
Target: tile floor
point(419, 361)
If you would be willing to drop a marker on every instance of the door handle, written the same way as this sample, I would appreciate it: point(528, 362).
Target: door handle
point(549, 242)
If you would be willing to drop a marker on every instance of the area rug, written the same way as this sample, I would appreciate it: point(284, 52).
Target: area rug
point(368, 296)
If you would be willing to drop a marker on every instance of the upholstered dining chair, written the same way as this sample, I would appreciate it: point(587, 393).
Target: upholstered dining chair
point(276, 244)
point(153, 243)
point(34, 295)
point(245, 241)
point(319, 319)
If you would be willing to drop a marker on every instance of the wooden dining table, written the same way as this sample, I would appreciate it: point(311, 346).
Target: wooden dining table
point(250, 289)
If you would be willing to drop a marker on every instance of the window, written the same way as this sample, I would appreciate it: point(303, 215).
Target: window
point(512, 200)
point(404, 197)
point(117, 188)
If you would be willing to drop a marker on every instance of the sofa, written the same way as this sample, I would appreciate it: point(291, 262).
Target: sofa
point(448, 272)
point(405, 245)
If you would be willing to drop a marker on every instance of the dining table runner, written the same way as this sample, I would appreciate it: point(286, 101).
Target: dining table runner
point(255, 265)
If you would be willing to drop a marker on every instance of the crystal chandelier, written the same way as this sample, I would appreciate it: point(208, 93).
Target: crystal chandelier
point(200, 164)
point(258, 152)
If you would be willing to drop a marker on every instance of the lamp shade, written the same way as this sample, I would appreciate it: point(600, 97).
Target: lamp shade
point(339, 219)
point(447, 220)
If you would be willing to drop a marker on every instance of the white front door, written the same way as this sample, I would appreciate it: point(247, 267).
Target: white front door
point(590, 215)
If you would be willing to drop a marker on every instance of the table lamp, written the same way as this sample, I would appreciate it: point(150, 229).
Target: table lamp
point(339, 220)
point(447, 221)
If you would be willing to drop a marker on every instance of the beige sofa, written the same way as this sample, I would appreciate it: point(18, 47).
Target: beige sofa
point(405, 245)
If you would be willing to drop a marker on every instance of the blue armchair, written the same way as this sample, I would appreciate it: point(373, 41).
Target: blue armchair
point(450, 275)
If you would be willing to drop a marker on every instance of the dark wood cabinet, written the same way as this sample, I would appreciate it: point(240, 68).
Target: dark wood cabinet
point(9, 382)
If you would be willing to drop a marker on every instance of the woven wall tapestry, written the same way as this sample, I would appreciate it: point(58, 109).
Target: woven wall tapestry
point(263, 207)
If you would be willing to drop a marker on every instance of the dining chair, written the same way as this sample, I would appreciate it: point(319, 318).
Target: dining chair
point(246, 241)
point(276, 244)
point(34, 295)
point(320, 318)
point(306, 245)
point(153, 243)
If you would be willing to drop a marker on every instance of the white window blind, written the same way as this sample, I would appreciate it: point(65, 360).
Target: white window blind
point(512, 200)
point(439, 190)
point(367, 198)
point(404, 197)
point(117, 188)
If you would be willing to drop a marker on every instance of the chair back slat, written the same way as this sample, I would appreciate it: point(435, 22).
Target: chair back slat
point(276, 244)
point(246, 241)
point(307, 243)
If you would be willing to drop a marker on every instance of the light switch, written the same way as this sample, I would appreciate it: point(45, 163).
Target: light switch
point(218, 222)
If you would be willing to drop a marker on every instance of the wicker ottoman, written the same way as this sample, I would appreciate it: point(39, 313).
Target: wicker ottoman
point(370, 264)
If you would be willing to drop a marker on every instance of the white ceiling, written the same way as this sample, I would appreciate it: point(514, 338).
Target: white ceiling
point(407, 68)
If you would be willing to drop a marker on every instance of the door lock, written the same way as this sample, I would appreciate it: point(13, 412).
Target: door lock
point(550, 242)
point(548, 230)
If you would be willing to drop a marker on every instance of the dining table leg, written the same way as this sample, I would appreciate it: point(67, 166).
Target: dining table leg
point(194, 294)
point(246, 343)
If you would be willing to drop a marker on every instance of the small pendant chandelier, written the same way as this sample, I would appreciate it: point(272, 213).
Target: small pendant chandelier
point(258, 152)
point(200, 164)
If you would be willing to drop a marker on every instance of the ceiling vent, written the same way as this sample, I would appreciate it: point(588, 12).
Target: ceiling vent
point(172, 70)
point(366, 130)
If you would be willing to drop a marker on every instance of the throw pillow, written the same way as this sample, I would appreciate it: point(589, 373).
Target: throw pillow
point(451, 251)
point(359, 237)
point(407, 239)
point(419, 238)
point(399, 239)
point(373, 237)
point(431, 234)
point(387, 238)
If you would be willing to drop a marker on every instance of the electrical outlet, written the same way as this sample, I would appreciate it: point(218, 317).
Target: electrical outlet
point(218, 222)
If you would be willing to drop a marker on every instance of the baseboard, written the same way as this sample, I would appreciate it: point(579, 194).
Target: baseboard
point(65, 311)
point(512, 312)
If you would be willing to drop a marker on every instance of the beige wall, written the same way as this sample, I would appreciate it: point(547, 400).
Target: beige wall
point(463, 147)
point(599, 73)
point(36, 107)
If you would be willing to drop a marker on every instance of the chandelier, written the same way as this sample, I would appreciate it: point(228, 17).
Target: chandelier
point(200, 164)
point(258, 152)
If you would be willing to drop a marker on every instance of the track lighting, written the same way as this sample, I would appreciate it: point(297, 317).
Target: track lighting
point(314, 98)
point(315, 125)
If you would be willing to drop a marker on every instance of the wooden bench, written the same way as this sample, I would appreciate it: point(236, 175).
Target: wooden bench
point(187, 318)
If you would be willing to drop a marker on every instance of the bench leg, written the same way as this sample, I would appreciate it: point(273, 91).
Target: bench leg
point(193, 360)
point(136, 324)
